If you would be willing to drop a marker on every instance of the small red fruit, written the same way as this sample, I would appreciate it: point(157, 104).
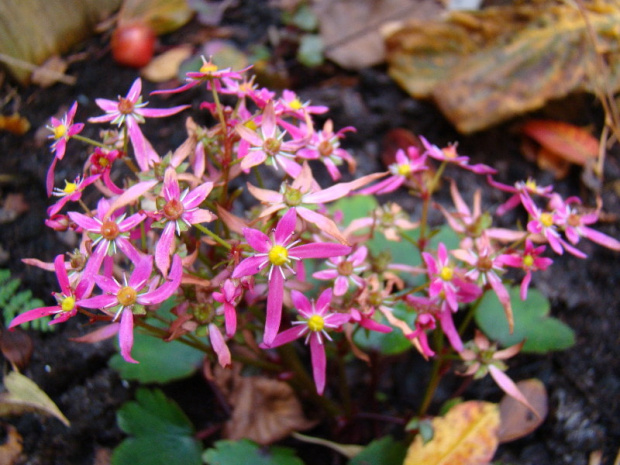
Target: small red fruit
point(133, 44)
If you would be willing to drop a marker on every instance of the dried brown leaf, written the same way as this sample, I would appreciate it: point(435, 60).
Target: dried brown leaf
point(162, 15)
point(15, 124)
point(11, 450)
point(484, 67)
point(51, 72)
point(16, 346)
point(166, 66)
point(516, 419)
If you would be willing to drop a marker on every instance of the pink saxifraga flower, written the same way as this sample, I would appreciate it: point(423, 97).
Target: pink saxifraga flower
point(404, 166)
point(345, 271)
point(315, 320)
point(277, 252)
point(131, 112)
point(137, 290)
point(68, 300)
point(178, 213)
point(72, 192)
point(62, 130)
point(229, 295)
point(528, 260)
point(530, 187)
point(450, 155)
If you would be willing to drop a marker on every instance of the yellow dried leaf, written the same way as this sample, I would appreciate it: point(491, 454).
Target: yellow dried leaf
point(166, 66)
point(466, 435)
point(162, 15)
point(15, 124)
point(485, 67)
point(25, 396)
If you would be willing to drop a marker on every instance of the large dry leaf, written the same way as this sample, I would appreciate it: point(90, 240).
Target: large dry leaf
point(25, 396)
point(162, 15)
point(484, 67)
point(33, 30)
point(350, 29)
point(466, 435)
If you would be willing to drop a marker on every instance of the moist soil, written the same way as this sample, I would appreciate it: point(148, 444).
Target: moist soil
point(583, 382)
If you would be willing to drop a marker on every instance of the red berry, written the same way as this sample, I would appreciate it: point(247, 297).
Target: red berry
point(133, 44)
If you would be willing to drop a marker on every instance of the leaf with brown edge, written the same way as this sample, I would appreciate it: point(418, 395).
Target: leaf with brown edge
point(484, 67)
point(466, 435)
point(516, 419)
point(25, 396)
point(564, 140)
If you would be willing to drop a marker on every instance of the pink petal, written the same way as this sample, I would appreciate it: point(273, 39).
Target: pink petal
point(268, 126)
point(257, 240)
point(301, 302)
point(160, 112)
point(106, 105)
point(509, 387)
point(163, 249)
point(141, 273)
point(100, 334)
point(249, 135)
point(286, 336)
point(49, 179)
point(125, 335)
point(194, 198)
point(143, 151)
point(100, 301)
point(319, 363)
point(199, 216)
point(219, 346)
point(341, 286)
point(323, 223)
point(286, 227)
point(319, 250)
point(130, 196)
point(326, 274)
point(265, 195)
point(134, 92)
point(61, 274)
point(171, 189)
point(254, 158)
point(323, 302)
point(169, 287)
point(249, 266)
point(600, 238)
point(33, 314)
point(274, 306)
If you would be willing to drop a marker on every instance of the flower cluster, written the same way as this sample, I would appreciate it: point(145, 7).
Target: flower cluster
point(175, 229)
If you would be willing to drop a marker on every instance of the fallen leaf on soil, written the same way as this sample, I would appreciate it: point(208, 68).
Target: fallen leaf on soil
point(12, 447)
point(15, 124)
point(485, 67)
point(516, 419)
point(166, 66)
point(561, 144)
point(350, 30)
point(466, 435)
point(51, 72)
point(66, 22)
point(12, 207)
point(16, 346)
point(25, 396)
point(162, 15)
point(264, 410)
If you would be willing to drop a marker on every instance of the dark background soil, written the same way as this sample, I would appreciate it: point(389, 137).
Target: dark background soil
point(583, 382)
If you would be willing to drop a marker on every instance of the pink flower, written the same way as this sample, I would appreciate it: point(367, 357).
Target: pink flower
point(108, 234)
point(266, 144)
point(528, 260)
point(315, 320)
point(290, 104)
point(179, 212)
point(68, 300)
point(72, 192)
point(278, 252)
point(130, 111)
point(139, 290)
point(229, 297)
point(304, 191)
point(405, 165)
point(450, 155)
point(528, 186)
point(63, 130)
point(441, 274)
point(345, 271)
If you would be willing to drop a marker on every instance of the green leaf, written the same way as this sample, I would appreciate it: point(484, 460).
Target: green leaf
point(542, 333)
point(310, 51)
point(393, 343)
point(354, 207)
point(305, 19)
point(384, 451)
point(162, 434)
point(238, 452)
point(160, 361)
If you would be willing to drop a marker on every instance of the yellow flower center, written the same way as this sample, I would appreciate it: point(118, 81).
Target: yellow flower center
point(67, 304)
point(530, 184)
point(60, 131)
point(316, 323)
point(296, 104)
point(446, 273)
point(70, 187)
point(278, 255)
point(528, 261)
point(127, 296)
point(546, 219)
point(208, 68)
point(404, 169)
point(251, 124)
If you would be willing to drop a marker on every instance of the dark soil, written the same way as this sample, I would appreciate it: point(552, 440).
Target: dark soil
point(583, 382)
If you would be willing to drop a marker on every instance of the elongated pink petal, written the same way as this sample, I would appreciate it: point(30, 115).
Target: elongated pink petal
point(323, 302)
point(265, 195)
point(106, 105)
point(160, 112)
point(49, 178)
point(163, 248)
point(341, 286)
point(85, 222)
point(61, 274)
point(100, 334)
point(509, 387)
point(199, 216)
point(286, 336)
point(249, 266)
point(274, 306)
point(230, 319)
point(600, 238)
point(257, 240)
point(340, 190)
point(319, 250)
point(141, 273)
point(128, 249)
point(268, 126)
point(301, 302)
point(143, 151)
point(254, 158)
point(448, 328)
point(286, 227)
point(319, 363)
point(125, 335)
point(219, 346)
point(33, 314)
point(249, 135)
point(171, 189)
point(330, 273)
point(194, 198)
point(323, 223)
point(169, 287)
point(100, 301)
